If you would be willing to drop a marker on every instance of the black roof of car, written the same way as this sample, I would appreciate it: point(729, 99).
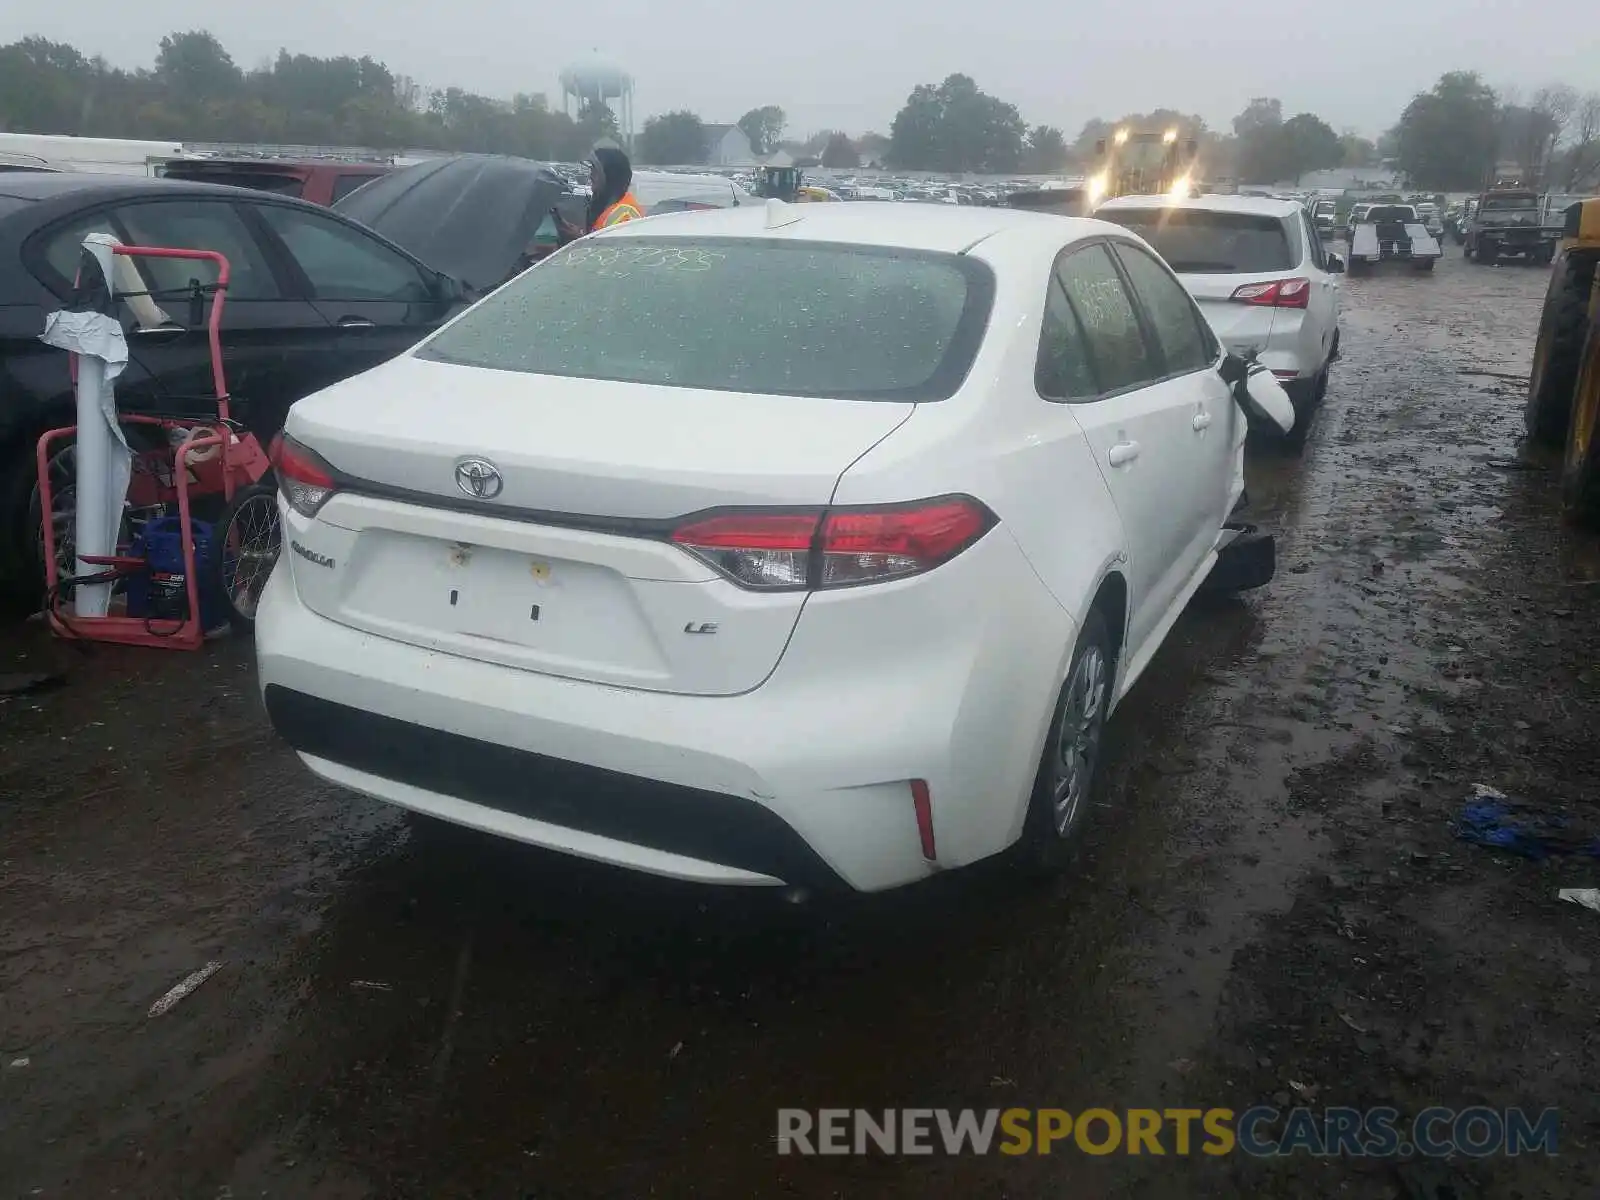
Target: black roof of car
point(52, 185)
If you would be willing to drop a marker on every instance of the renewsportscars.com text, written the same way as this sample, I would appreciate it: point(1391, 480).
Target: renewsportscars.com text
point(1259, 1132)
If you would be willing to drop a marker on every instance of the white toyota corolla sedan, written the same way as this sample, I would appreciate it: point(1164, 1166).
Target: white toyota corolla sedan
point(780, 545)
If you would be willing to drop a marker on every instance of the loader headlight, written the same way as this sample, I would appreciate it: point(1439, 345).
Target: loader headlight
point(1097, 188)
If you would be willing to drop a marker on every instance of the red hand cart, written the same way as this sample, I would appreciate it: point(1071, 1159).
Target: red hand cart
point(196, 457)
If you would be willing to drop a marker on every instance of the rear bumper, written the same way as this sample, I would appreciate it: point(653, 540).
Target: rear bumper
point(803, 780)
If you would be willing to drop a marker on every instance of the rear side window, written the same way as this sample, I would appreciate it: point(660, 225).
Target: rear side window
point(1062, 371)
point(1199, 242)
point(744, 315)
point(63, 248)
point(1172, 313)
point(1117, 348)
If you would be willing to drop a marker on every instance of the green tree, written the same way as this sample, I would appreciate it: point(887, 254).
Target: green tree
point(874, 147)
point(672, 139)
point(1447, 136)
point(1264, 112)
point(1355, 150)
point(764, 126)
point(840, 153)
point(194, 67)
point(953, 126)
point(1045, 150)
point(1307, 143)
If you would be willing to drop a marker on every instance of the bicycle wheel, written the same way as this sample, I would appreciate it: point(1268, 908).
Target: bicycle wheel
point(244, 549)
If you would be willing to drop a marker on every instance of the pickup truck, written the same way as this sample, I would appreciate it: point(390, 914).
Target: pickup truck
point(1509, 223)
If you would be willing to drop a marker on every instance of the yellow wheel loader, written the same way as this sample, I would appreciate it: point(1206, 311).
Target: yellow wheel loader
point(1563, 409)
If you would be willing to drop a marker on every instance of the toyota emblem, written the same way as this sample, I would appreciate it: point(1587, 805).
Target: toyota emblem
point(479, 478)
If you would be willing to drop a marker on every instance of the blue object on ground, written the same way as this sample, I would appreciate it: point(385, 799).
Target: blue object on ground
point(1491, 818)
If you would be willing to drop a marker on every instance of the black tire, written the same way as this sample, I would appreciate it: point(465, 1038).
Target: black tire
point(1488, 257)
point(21, 535)
point(1580, 467)
point(1063, 789)
point(1422, 264)
point(245, 544)
point(1558, 351)
point(21, 582)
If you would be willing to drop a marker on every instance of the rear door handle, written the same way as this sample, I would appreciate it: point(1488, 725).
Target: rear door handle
point(355, 323)
point(1122, 452)
point(1201, 421)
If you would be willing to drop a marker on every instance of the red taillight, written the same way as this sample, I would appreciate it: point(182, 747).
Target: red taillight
point(834, 547)
point(305, 480)
point(922, 805)
point(1278, 293)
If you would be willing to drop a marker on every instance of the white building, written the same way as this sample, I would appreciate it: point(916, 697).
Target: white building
point(727, 146)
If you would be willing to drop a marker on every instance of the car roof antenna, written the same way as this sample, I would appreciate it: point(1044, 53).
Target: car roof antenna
point(780, 214)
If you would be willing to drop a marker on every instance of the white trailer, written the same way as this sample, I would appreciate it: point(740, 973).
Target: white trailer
point(103, 156)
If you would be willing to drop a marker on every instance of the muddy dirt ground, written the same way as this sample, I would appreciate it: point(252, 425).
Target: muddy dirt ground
point(1271, 898)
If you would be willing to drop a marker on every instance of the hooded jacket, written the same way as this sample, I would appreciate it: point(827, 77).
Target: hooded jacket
point(611, 202)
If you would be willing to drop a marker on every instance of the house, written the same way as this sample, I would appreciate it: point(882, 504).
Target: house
point(727, 146)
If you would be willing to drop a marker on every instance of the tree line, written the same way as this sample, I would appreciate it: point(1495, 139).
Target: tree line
point(1459, 135)
point(1455, 136)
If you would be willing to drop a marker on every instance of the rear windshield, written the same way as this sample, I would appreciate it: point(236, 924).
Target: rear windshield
point(259, 181)
point(1198, 242)
point(1508, 203)
point(745, 315)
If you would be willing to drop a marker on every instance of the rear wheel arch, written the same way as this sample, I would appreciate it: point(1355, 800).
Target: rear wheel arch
point(1111, 602)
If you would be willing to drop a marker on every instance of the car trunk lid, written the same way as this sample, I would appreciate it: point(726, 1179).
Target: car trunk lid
point(1239, 326)
point(565, 567)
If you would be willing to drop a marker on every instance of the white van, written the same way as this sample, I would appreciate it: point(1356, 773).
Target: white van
point(101, 156)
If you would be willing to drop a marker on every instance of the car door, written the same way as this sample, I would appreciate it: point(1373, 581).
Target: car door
point(376, 301)
point(1216, 426)
point(1139, 428)
point(264, 324)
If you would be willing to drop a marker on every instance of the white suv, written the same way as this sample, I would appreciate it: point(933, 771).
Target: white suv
point(1261, 274)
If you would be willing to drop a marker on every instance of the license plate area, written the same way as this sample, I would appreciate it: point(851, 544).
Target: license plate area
point(506, 596)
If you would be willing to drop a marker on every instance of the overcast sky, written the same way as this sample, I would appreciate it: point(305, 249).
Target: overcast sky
point(850, 64)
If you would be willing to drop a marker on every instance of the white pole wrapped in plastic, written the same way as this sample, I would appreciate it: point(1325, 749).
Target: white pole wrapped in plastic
point(103, 461)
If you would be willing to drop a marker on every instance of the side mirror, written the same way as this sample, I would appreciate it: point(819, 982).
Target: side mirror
point(1258, 393)
point(1335, 265)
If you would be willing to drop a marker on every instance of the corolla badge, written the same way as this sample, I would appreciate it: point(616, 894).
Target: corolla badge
point(478, 478)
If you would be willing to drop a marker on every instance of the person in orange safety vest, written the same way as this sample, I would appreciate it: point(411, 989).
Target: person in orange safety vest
point(610, 200)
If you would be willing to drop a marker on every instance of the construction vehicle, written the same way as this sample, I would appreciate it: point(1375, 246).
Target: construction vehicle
point(779, 183)
point(1563, 410)
point(1140, 163)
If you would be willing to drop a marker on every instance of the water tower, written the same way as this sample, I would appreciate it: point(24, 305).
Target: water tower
point(597, 82)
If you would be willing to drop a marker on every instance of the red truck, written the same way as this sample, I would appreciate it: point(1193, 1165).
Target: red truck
point(320, 182)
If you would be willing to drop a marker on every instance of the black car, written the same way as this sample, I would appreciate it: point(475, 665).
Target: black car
point(315, 297)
